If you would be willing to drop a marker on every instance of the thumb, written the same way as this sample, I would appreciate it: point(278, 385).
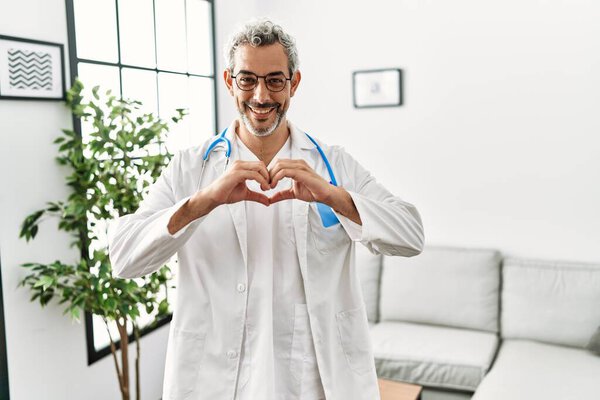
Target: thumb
point(282, 195)
point(257, 197)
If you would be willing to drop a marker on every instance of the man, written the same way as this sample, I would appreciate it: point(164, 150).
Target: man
point(268, 302)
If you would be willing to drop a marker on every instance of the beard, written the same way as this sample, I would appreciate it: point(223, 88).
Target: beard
point(262, 132)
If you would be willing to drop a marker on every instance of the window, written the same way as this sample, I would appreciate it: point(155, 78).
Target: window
point(160, 52)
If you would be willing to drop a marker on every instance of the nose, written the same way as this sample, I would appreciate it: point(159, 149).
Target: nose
point(261, 93)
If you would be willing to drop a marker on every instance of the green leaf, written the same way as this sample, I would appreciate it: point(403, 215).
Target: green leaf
point(29, 226)
point(163, 307)
point(74, 311)
point(45, 282)
point(111, 304)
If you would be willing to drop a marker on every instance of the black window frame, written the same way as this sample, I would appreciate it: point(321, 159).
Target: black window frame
point(4, 389)
point(94, 355)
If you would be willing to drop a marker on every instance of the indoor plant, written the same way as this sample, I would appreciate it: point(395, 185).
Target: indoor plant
point(111, 171)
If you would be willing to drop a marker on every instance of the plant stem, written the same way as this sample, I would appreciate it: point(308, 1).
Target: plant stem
point(122, 327)
point(136, 332)
point(113, 350)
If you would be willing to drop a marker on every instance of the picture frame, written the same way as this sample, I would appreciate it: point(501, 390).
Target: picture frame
point(31, 69)
point(377, 88)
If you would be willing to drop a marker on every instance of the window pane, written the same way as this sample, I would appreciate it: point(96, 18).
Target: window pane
point(173, 89)
point(199, 35)
point(140, 85)
point(96, 75)
point(136, 31)
point(202, 109)
point(170, 35)
point(96, 30)
point(106, 77)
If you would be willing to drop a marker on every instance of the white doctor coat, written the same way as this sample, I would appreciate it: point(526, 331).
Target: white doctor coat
point(207, 329)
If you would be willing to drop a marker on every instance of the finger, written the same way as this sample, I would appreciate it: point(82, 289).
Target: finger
point(258, 197)
point(308, 178)
point(253, 175)
point(287, 163)
point(282, 195)
point(261, 168)
point(286, 173)
point(257, 166)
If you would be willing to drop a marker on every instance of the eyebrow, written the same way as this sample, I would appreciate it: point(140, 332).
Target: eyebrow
point(245, 71)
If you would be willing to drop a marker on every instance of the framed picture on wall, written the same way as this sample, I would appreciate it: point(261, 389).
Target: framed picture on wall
point(31, 69)
point(377, 88)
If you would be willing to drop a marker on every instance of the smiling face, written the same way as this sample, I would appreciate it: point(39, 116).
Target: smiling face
point(261, 110)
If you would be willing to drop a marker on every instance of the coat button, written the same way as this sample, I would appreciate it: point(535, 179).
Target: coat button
point(232, 354)
point(241, 287)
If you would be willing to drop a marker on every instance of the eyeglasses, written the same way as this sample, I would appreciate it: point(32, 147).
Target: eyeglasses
point(248, 81)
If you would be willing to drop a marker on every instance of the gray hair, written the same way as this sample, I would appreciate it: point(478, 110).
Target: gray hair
point(262, 32)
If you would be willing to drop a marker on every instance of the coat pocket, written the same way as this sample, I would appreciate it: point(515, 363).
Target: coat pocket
point(353, 330)
point(328, 239)
point(183, 363)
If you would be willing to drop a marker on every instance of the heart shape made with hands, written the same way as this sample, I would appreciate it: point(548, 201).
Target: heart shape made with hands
point(306, 184)
point(285, 189)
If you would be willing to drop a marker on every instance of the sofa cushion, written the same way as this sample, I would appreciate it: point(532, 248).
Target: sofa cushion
point(432, 356)
point(368, 266)
point(443, 286)
point(553, 302)
point(594, 344)
point(526, 370)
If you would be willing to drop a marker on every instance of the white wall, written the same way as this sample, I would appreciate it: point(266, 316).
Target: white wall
point(497, 143)
point(47, 356)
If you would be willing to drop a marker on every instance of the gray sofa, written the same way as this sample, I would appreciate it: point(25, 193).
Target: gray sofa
point(466, 323)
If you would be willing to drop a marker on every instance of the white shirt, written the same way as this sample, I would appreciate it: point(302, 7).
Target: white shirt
point(278, 358)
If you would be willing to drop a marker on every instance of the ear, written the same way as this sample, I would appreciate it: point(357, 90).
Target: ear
point(295, 82)
point(228, 80)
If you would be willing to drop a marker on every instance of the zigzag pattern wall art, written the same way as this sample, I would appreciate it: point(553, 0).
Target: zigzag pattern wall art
point(31, 69)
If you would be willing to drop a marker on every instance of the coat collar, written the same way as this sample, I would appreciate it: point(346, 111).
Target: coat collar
point(299, 138)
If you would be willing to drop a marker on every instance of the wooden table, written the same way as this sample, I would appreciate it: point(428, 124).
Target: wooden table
point(391, 390)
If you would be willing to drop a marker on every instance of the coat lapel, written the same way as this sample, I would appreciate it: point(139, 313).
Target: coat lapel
point(237, 210)
point(301, 149)
point(238, 214)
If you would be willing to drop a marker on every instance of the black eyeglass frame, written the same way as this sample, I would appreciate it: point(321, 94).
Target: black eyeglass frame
point(264, 78)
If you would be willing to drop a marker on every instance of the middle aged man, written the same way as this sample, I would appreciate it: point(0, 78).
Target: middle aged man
point(268, 304)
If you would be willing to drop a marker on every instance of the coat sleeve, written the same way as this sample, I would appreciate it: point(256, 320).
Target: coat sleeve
point(140, 243)
point(390, 225)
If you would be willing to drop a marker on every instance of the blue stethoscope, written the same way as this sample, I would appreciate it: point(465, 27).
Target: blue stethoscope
point(328, 217)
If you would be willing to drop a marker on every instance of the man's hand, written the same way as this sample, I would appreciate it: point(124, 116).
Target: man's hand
point(231, 186)
point(307, 184)
point(310, 186)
